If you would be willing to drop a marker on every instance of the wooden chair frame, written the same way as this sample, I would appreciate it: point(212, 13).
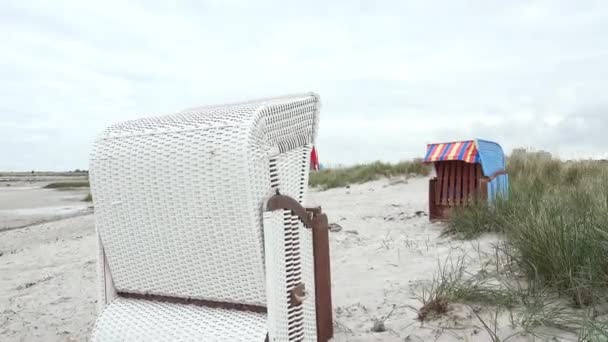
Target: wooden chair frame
point(457, 183)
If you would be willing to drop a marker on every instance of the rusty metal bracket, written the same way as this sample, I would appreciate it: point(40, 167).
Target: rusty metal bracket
point(298, 294)
point(278, 202)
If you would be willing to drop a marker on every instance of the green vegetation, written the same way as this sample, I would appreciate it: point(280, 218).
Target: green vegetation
point(343, 176)
point(88, 198)
point(594, 332)
point(555, 231)
point(453, 283)
point(476, 219)
point(499, 288)
point(67, 185)
point(556, 221)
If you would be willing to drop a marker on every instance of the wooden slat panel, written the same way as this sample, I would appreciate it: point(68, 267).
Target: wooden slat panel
point(452, 186)
point(433, 198)
point(478, 176)
point(457, 190)
point(445, 184)
point(465, 182)
point(483, 189)
point(439, 169)
point(472, 181)
point(457, 183)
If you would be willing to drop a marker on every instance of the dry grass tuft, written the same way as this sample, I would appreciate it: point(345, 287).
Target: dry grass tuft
point(433, 308)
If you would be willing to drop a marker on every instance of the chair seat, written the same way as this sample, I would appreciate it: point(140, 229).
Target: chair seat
point(142, 320)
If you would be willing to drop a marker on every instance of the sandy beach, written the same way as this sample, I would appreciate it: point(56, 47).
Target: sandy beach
point(386, 250)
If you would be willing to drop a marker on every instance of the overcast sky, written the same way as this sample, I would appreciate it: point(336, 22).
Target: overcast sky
point(392, 75)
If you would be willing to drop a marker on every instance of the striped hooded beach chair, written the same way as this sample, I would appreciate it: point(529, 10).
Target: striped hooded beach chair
point(202, 233)
point(466, 171)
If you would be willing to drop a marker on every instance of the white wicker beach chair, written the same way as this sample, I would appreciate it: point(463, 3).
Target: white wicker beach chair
point(202, 236)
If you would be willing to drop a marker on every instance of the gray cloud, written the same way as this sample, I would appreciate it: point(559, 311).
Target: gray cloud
point(393, 76)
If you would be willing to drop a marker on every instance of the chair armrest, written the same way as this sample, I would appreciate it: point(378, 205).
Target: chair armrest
point(278, 202)
point(316, 285)
point(288, 252)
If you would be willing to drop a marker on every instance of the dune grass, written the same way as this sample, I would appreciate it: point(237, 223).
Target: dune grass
point(556, 221)
point(499, 287)
point(344, 176)
point(67, 185)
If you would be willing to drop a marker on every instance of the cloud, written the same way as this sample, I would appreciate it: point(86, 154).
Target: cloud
point(393, 76)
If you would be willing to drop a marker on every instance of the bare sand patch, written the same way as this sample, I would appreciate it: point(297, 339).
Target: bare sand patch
point(47, 281)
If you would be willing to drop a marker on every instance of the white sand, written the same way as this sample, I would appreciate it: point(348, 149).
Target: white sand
point(47, 281)
point(383, 253)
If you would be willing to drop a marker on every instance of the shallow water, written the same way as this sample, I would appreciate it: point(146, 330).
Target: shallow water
point(22, 204)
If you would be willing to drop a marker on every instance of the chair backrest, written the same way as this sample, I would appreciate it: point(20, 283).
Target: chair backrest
point(178, 198)
point(457, 182)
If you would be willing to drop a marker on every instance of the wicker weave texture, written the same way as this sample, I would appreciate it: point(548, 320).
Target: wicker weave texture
point(289, 253)
point(278, 299)
point(293, 171)
point(148, 321)
point(107, 291)
point(178, 198)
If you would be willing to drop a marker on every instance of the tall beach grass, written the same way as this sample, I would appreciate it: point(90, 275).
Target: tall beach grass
point(556, 221)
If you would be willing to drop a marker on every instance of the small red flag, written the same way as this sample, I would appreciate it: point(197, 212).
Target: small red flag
point(314, 159)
